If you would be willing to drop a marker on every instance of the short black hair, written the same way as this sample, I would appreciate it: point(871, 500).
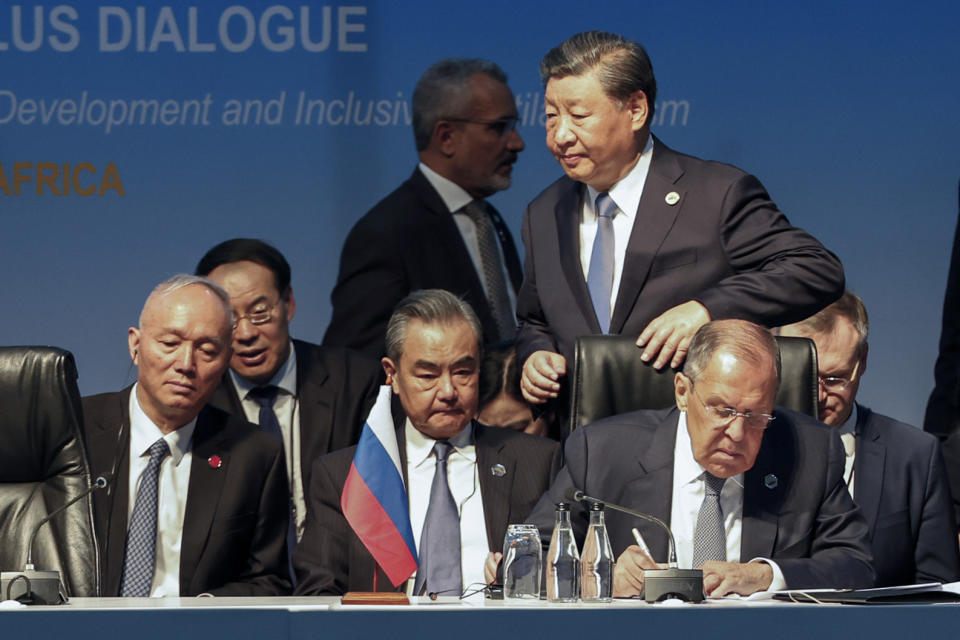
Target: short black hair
point(251, 250)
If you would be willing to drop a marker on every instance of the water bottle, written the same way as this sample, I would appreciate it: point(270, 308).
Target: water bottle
point(596, 581)
point(563, 560)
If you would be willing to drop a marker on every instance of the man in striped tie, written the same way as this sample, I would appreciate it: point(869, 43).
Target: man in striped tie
point(198, 498)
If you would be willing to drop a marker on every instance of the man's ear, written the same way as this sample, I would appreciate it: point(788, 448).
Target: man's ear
point(290, 303)
point(391, 370)
point(639, 110)
point(864, 349)
point(444, 138)
point(133, 344)
point(682, 388)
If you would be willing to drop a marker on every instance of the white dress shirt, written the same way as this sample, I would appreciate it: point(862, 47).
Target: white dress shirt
point(287, 408)
point(848, 436)
point(464, 480)
point(173, 485)
point(455, 198)
point(688, 492)
point(626, 195)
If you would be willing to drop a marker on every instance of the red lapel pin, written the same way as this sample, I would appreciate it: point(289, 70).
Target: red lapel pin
point(215, 462)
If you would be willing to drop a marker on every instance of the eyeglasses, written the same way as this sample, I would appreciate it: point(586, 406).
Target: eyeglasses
point(833, 383)
point(260, 315)
point(723, 416)
point(501, 126)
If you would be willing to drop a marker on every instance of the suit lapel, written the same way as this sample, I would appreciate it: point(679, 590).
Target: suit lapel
point(567, 218)
point(651, 490)
point(651, 224)
point(316, 408)
point(764, 487)
point(868, 467)
point(226, 399)
point(510, 256)
point(456, 258)
point(495, 490)
point(206, 485)
point(109, 440)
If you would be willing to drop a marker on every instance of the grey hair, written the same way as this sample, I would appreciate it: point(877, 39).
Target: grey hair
point(444, 91)
point(430, 306)
point(742, 338)
point(622, 66)
point(182, 280)
point(849, 306)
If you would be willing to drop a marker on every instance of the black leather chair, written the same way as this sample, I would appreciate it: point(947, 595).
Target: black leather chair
point(42, 466)
point(610, 378)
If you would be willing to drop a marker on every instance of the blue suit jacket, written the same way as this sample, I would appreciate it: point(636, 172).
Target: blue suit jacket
point(901, 486)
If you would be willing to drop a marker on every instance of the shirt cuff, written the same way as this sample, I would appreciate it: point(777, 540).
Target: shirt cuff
point(778, 583)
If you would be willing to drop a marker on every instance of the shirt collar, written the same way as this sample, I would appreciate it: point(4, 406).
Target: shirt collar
point(143, 432)
point(420, 446)
point(850, 426)
point(452, 194)
point(686, 468)
point(626, 193)
point(285, 378)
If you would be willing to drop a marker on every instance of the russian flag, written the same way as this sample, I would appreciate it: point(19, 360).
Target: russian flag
point(374, 498)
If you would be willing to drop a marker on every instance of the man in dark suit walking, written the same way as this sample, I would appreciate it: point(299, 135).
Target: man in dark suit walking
point(437, 230)
point(641, 240)
point(318, 397)
point(894, 471)
point(197, 502)
point(754, 496)
point(465, 482)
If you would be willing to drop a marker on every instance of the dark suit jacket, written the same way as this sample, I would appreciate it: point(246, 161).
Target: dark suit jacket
point(235, 523)
point(901, 486)
point(724, 244)
point(943, 409)
point(335, 390)
point(408, 241)
point(806, 522)
point(330, 558)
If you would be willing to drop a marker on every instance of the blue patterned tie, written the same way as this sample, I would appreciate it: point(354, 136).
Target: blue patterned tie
point(266, 397)
point(710, 538)
point(600, 271)
point(440, 540)
point(141, 554)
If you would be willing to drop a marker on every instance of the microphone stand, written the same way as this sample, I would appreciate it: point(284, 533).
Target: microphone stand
point(43, 586)
point(659, 584)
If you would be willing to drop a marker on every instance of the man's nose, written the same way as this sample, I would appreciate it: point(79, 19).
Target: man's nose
point(515, 141)
point(446, 390)
point(562, 133)
point(185, 359)
point(245, 331)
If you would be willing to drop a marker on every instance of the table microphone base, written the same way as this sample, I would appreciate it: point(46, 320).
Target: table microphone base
point(32, 587)
point(683, 584)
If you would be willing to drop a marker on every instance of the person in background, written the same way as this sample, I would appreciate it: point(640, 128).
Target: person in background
point(501, 403)
point(894, 471)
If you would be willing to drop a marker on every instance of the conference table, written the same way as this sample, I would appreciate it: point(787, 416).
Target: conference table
point(325, 617)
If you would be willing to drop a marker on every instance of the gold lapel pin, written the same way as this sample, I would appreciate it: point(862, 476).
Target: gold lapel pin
point(672, 198)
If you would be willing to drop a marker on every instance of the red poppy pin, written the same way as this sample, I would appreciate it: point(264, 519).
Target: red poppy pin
point(215, 462)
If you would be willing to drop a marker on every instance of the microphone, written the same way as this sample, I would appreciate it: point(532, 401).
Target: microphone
point(659, 584)
point(44, 586)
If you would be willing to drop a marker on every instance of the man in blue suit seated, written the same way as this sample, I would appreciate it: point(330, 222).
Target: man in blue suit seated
point(894, 471)
point(754, 495)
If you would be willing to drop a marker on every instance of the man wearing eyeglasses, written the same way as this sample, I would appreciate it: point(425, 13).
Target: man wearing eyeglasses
point(437, 230)
point(895, 472)
point(313, 398)
point(753, 495)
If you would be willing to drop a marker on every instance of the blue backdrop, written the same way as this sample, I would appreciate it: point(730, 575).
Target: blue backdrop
point(135, 135)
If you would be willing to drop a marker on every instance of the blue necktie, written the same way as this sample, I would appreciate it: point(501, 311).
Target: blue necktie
point(440, 540)
point(141, 553)
point(710, 538)
point(266, 397)
point(600, 271)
